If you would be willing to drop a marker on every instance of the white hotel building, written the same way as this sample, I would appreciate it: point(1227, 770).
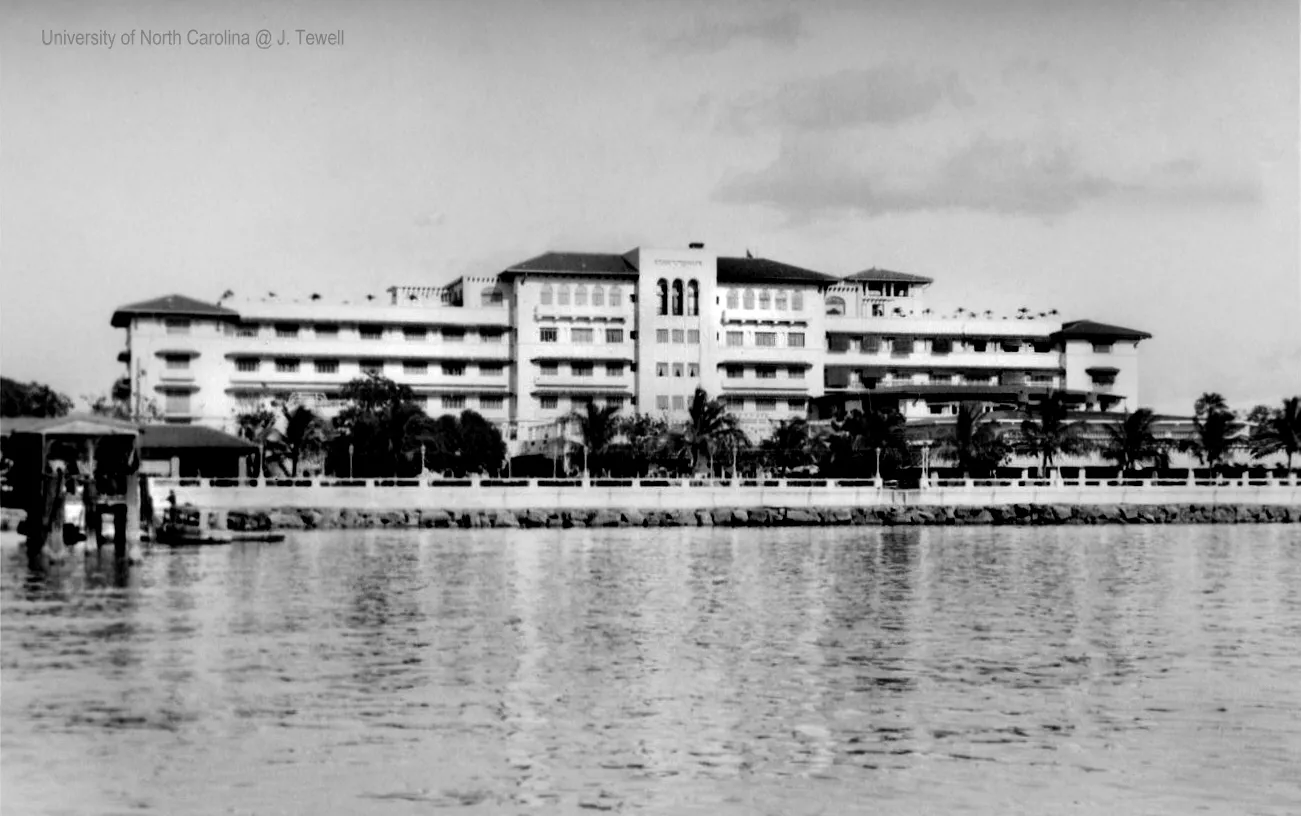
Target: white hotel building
point(529, 345)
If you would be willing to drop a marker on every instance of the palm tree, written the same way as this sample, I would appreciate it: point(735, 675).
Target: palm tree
point(858, 435)
point(1279, 432)
point(791, 445)
point(259, 427)
point(1133, 441)
point(709, 428)
point(973, 442)
point(597, 428)
point(304, 435)
point(1047, 432)
point(1216, 429)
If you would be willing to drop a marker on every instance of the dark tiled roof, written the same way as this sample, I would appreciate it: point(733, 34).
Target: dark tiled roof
point(189, 437)
point(179, 305)
point(577, 263)
point(762, 270)
point(1091, 330)
point(74, 424)
point(875, 274)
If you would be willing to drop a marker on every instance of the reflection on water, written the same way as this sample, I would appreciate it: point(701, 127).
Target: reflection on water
point(1131, 670)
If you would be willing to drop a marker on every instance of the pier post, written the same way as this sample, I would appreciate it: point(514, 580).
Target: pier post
point(126, 542)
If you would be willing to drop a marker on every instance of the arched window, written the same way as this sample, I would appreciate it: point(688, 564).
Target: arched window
point(765, 299)
point(749, 299)
point(797, 301)
point(781, 300)
point(580, 295)
point(598, 296)
point(693, 298)
point(677, 297)
point(662, 289)
point(562, 295)
point(545, 297)
point(616, 296)
point(835, 306)
point(733, 299)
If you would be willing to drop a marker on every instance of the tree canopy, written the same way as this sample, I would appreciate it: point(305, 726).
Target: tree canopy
point(31, 399)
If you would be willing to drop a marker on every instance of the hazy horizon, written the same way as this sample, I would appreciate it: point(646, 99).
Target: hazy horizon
point(1131, 163)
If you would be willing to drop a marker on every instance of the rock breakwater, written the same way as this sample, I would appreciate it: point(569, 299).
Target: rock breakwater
point(313, 518)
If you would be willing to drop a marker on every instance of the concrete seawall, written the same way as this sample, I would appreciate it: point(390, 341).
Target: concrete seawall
point(708, 495)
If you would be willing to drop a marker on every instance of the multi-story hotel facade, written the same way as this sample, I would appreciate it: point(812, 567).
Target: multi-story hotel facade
point(531, 344)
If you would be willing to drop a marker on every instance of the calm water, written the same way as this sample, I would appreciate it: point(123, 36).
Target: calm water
point(788, 671)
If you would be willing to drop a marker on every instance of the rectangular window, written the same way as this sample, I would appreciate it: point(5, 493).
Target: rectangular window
point(1012, 346)
point(492, 403)
point(735, 372)
point(781, 300)
point(371, 332)
point(453, 335)
point(489, 336)
point(765, 339)
point(797, 301)
point(177, 362)
point(677, 369)
point(178, 326)
point(693, 370)
point(941, 378)
point(901, 345)
point(735, 338)
point(795, 405)
point(414, 367)
point(1101, 348)
point(679, 336)
point(733, 299)
point(795, 373)
point(372, 366)
point(327, 366)
point(286, 366)
point(614, 369)
point(766, 372)
point(662, 402)
point(544, 297)
point(977, 345)
point(795, 340)
point(1043, 346)
point(247, 364)
point(661, 369)
point(286, 330)
point(941, 345)
point(581, 369)
point(661, 335)
point(490, 370)
point(324, 330)
point(178, 403)
point(414, 332)
point(679, 403)
point(549, 403)
point(453, 369)
point(616, 296)
point(693, 337)
point(617, 402)
point(246, 330)
point(549, 369)
point(583, 336)
point(454, 402)
point(614, 335)
point(765, 405)
point(548, 334)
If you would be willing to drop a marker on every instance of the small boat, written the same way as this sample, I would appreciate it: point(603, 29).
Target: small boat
point(191, 535)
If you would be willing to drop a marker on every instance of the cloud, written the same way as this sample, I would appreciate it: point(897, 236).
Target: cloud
point(881, 95)
point(987, 174)
point(1008, 176)
point(707, 36)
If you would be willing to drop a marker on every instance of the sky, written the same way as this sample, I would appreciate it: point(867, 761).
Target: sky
point(1129, 162)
